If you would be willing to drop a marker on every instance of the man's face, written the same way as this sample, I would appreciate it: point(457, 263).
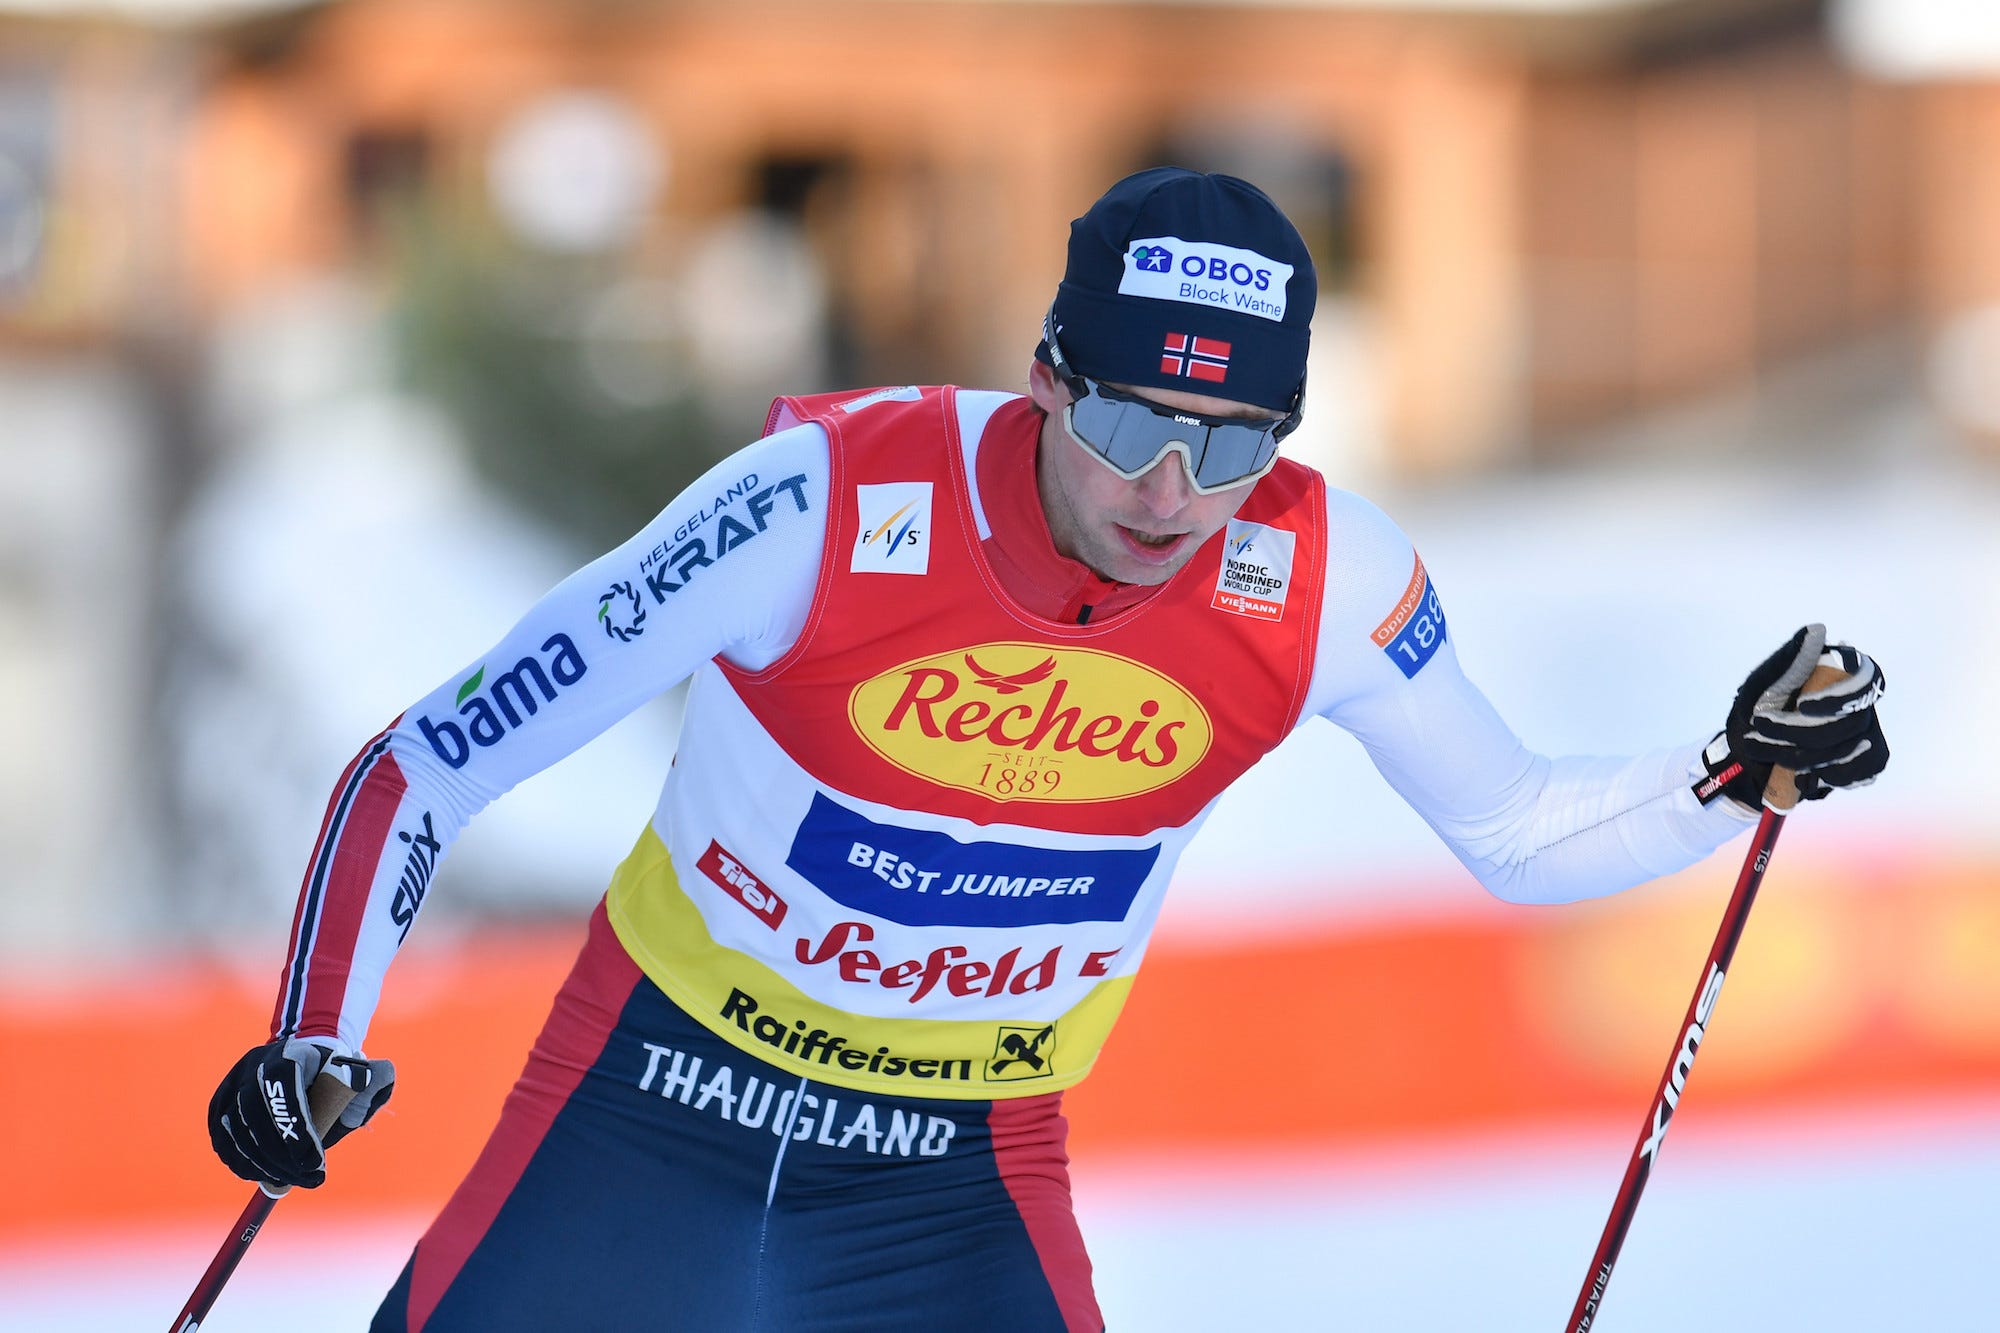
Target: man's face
point(1138, 531)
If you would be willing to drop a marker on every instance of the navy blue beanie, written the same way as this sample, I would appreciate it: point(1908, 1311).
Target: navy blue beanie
point(1180, 280)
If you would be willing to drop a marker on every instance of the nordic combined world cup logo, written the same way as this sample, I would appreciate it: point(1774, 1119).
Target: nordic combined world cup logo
point(1153, 259)
point(619, 611)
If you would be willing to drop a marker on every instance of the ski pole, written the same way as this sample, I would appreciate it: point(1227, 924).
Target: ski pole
point(1783, 795)
point(325, 1100)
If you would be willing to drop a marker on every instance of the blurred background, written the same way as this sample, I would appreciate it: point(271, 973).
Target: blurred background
point(332, 334)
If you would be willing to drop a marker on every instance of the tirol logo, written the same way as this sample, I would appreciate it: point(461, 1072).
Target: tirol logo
point(1032, 722)
point(733, 878)
point(507, 703)
point(619, 611)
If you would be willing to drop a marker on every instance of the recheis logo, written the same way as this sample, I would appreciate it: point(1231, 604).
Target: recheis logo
point(1412, 632)
point(922, 877)
point(1168, 268)
point(506, 704)
point(895, 528)
point(1032, 722)
point(1256, 570)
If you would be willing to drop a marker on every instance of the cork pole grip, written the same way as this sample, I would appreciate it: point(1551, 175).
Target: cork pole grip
point(1781, 793)
point(326, 1099)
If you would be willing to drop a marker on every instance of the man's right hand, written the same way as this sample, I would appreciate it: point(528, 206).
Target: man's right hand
point(260, 1120)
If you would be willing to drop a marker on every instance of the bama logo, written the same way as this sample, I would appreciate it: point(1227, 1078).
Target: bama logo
point(506, 704)
point(1032, 722)
point(1167, 268)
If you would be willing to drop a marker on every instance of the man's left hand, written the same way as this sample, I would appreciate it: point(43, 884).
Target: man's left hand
point(1829, 737)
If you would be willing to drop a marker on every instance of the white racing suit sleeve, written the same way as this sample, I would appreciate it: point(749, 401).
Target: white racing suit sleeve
point(1533, 829)
point(727, 568)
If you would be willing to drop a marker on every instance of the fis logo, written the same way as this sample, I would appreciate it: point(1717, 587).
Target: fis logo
point(895, 528)
point(1153, 259)
point(506, 704)
point(619, 611)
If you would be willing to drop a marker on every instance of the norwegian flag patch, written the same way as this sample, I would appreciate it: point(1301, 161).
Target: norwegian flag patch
point(1195, 357)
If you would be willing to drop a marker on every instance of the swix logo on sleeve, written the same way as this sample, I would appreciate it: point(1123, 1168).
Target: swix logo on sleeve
point(418, 865)
point(921, 877)
point(1032, 722)
point(1256, 570)
point(733, 879)
point(895, 535)
point(506, 703)
point(1413, 631)
point(1168, 268)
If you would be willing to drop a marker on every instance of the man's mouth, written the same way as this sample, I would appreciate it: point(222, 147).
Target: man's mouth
point(1151, 546)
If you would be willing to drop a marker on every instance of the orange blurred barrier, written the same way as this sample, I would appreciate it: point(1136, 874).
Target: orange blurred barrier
point(1856, 983)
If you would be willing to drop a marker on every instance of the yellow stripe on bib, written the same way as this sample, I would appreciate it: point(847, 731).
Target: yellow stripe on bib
point(749, 1005)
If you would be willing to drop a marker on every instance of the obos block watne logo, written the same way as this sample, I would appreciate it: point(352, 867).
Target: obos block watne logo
point(1027, 721)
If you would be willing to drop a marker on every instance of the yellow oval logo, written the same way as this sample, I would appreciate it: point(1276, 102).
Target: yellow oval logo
point(1031, 722)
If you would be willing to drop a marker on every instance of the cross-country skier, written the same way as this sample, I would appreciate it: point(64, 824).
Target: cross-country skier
point(969, 669)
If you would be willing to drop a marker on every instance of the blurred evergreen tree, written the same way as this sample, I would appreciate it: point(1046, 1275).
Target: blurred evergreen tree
point(505, 338)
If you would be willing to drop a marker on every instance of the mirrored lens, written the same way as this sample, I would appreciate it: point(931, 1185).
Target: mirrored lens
point(1131, 437)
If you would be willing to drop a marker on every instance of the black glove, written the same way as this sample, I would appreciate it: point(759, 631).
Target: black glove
point(1830, 737)
point(260, 1121)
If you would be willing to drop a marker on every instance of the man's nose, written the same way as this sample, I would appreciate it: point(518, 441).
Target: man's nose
point(1165, 488)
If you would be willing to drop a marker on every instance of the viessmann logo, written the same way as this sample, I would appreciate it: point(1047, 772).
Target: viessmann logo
point(1031, 722)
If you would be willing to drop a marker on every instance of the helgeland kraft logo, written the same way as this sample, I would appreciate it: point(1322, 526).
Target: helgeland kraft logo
point(1034, 722)
point(490, 711)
